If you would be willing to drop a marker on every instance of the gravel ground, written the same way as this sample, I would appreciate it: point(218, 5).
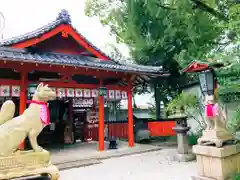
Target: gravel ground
point(153, 165)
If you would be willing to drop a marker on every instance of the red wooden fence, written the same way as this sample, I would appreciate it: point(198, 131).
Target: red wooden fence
point(163, 128)
point(119, 129)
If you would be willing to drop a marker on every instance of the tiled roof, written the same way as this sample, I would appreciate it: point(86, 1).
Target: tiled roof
point(63, 18)
point(22, 55)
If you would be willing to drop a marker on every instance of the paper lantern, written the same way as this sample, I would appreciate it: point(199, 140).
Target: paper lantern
point(78, 92)
point(70, 92)
point(111, 94)
point(87, 93)
point(16, 91)
point(94, 93)
point(124, 95)
point(61, 92)
point(5, 91)
point(118, 94)
point(102, 91)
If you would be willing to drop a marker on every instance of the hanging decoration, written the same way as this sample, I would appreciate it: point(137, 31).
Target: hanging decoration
point(82, 102)
point(118, 94)
point(78, 92)
point(94, 93)
point(14, 91)
point(61, 92)
point(70, 92)
point(124, 95)
point(111, 94)
point(4, 91)
point(86, 93)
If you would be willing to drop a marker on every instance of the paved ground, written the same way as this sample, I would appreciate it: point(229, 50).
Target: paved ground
point(152, 165)
point(86, 153)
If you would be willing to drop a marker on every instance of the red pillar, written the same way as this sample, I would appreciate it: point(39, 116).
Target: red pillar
point(23, 98)
point(101, 123)
point(130, 117)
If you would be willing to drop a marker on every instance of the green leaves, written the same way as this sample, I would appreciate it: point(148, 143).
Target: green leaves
point(234, 123)
point(183, 101)
point(163, 32)
point(158, 32)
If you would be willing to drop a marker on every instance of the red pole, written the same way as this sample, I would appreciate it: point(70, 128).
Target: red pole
point(23, 98)
point(130, 117)
point(101, 122)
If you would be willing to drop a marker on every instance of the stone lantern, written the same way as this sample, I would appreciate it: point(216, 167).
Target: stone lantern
point(181, 129)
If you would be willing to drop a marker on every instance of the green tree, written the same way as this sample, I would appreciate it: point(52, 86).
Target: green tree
point(159, 33)
point(169, 33)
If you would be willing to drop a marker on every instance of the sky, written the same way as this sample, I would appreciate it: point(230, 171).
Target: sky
point(22, 16)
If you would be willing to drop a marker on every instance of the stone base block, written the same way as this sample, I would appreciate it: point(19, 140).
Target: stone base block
point(27, 163)
point(184, 157)
point(214, 137)
point(217, 163)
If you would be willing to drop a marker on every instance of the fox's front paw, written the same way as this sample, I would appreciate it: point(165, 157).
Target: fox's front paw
point(38, 149)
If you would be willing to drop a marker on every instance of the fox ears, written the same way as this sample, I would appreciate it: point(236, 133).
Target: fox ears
point(41, 85)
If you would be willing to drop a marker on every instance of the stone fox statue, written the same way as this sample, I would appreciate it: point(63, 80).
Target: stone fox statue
point(14, 130)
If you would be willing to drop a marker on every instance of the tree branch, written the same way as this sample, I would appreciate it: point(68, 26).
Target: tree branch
point(199, 4)
point(165, 6)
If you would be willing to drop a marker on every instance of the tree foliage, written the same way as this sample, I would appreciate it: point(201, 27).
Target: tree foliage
point(159, 32)
point(173, 33)
point(190, 104)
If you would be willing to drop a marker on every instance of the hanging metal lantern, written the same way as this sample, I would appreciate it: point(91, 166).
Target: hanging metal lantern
point(102, 91)
point(31, 89)
point(206, 79)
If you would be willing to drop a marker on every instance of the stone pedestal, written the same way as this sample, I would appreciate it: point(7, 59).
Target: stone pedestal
point(215, 137)
point(217, 163)
point(27, 163)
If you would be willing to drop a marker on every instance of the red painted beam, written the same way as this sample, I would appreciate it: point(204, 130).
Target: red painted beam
point(130, 117)
point(10, 82)
point(23, 98)
point(33, 41)
point(100, 121)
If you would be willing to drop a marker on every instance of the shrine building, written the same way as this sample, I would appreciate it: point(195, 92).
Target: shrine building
point(84, 78)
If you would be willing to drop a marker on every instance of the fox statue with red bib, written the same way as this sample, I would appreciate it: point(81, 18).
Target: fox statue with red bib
point(216, 131)
point(14, 130)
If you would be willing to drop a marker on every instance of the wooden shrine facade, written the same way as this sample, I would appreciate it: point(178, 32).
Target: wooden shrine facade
point(58, 55)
